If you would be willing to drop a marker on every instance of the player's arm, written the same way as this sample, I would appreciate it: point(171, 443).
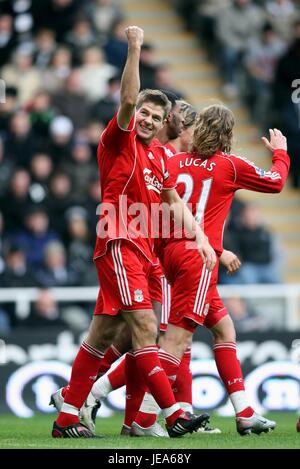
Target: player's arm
point(249, 176)
point(184, 218)
point(230, 261)
point(130, 82)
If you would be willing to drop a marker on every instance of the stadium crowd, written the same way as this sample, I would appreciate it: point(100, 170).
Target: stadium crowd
point(257, 46)
point(61, 62)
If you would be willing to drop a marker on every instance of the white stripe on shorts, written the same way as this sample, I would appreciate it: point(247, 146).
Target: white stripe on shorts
point(121, 273)
point(202, 291)
point(166, 300)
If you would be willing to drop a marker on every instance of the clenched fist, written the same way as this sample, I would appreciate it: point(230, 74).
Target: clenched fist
point(135, 36)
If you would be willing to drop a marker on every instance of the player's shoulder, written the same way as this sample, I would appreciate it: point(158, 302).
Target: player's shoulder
point(167, 150)
point(177, 157)
point(229, 159)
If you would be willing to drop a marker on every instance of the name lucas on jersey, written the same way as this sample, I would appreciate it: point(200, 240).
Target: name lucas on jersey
point(198, 163)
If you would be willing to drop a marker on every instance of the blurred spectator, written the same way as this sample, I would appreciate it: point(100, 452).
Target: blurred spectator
point(115, 47)
point(80, 167)
point(59, 200)
point(22, 74)
point(7, 38)
point(41, 167)
point(258, 250)
point(35, 237)
point(8, 108)
point(148, 66)
point(95, 73)
point(16, 200)
point(288, 70)
point(44, 312)
point(91, 204)
point(55, 272)
point(61, 132)
point(94, 130)
point(261, 57)
point(41, 114)
point(80, 37)
point(16, 274)
point(57, 15)
point(2, 263)
point(281, 13)
point(59, 69)
point(45, 47)
point(106, 107)
point(204, 20)
point(245, 318)
point(235, 26)
point(164, 80)
point(6, 169)
point(104, 13)
point(20, 144)
point(22, 13)
point(72, 101)
point(80, 251)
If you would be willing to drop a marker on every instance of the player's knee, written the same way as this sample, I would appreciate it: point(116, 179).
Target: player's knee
point(99, 336)
point(145, 331)
point(175, 340)
point(224, 330)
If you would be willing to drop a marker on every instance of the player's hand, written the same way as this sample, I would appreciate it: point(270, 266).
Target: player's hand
point(207, 254)
point(230, 261)
point(135, 36)
point(277, 140)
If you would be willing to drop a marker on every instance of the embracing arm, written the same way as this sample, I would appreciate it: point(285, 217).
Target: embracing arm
point(184, 217)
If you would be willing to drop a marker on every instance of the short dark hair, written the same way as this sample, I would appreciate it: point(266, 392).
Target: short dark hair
point(156, 97)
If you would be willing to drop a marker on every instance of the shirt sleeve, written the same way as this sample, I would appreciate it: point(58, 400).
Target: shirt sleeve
point(114, 136)
point(249, 176)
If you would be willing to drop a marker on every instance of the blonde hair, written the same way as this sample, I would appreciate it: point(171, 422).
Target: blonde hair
point(188, 112)
point(213, 131)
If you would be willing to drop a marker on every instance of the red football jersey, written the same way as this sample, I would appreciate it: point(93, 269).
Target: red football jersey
point(132, 177)
point(210, 184)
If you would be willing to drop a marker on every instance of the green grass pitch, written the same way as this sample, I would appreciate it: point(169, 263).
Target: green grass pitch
point(34, 433)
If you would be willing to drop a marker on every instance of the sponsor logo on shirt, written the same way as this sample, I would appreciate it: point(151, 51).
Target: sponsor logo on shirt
point(152, 182)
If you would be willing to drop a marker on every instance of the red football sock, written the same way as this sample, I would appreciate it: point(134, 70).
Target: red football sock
point(111, 355)
point(150, 367)
point(182, 387)
point(170, 364)
point(230, 371)
point(144, 419)
point(64, 390)
point(84, 373)
point(229, 367)
point(117, 375)
point(135, 389)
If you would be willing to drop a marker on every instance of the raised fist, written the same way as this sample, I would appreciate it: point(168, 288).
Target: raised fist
point(135, 35)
